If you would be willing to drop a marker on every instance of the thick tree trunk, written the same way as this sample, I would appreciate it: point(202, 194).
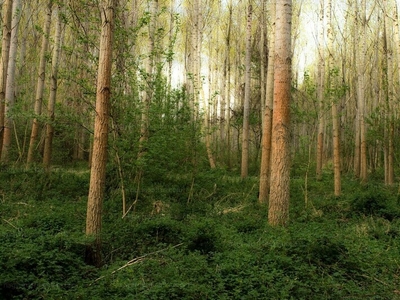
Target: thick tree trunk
point(10, 83)
point(99, 156)
point(40, 83)
point(5, 49)
point(278, 213)
point(53, 92)
point(246, 104)
point(265, 167)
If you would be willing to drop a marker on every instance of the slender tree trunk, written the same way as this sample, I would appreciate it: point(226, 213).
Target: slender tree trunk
point(5, 49)
point(265, 167)
point(207, 115)
point(53, 92)
point(228, 88)
point(335, 117)
point(222, 111)
point(40, 83)
point(10, 83)
point(99, 156)
point(171, 42)
point(278, 212)
point(363, 104)
point(321, 89)
point(246, 104)
point(360, 160)
point(389, 122)
point(148, 92)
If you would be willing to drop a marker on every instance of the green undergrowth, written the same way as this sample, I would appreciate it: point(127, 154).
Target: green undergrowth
point(199, 236)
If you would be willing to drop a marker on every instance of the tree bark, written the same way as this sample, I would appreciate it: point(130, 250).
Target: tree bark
point(5, 46)
point(335, 117)
point(99, 155)
point(40, 83)
point(360, 160)
point(53, 92)
point(228, 88)
point(265, 167)
point(10, 83)
point(389, 122)
point(278, 212)
point(321, 90)
point(246, 104)
point(148, 91)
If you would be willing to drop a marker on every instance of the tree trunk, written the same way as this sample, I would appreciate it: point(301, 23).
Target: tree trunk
point(148, 91)
point(335, 117)
point(265, 167)
point(246, 104)
point(228, 89)
point(40, 83)
point(10, 83)
point(207, 103)
point(360, 159)
point(278, 213)
point(5, 46)
point(389, 122)
point(99, 156)
point(321, 90)
point(53, 92)
point(222, 111)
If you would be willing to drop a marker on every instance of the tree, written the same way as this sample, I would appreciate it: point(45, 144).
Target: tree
point(360, 159)
point(40, 83)
point(335, 116)
point(99, 152)
point(5, 49)
point(246, 104)
point(389, 124)
point(278, 212)
point(321, 89)
point(10, 83)
point(265, 167)
point(53, 92)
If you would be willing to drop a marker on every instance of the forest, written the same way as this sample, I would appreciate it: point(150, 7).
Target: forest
point(199, 149)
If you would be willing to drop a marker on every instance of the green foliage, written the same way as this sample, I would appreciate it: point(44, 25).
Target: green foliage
point(211, 240)
point(376, 201)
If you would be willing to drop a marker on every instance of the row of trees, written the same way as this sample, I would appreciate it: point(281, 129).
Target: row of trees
point(229, 109)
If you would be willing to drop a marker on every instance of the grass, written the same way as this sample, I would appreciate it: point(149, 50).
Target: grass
point(210, 240)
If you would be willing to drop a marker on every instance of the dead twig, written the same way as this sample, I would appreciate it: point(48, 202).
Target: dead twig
point(137, 260)
point(11, 224)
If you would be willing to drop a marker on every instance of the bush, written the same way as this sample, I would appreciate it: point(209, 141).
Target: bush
point(375, 202)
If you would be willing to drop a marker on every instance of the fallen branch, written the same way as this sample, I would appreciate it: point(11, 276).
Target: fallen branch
point(9, 223)
point(137, 260)
point(376, 279)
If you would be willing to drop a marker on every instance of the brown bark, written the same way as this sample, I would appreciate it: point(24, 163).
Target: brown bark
point(99, 155)
point(278, 212)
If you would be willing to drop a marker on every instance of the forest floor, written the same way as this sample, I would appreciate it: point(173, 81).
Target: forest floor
point(197, 237)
